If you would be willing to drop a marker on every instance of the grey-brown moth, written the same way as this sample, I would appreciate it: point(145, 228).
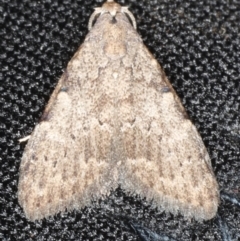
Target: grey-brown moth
point(114, 119)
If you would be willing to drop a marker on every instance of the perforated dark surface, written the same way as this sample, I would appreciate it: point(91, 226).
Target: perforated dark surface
point(198, 45)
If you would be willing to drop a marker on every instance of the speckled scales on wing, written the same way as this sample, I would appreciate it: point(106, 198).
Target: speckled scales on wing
point(115, 119)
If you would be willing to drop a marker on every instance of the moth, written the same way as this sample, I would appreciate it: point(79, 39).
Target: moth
point(114, 119)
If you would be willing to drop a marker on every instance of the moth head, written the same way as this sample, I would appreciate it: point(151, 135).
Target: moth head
point(112, 8)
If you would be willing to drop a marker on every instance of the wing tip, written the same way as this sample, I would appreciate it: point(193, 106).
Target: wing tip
point(200, 213)
point(200, 210)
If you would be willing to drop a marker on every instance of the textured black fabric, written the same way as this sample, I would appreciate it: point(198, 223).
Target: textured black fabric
point(198, 45)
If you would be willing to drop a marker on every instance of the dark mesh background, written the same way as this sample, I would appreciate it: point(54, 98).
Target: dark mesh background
point(198, 45)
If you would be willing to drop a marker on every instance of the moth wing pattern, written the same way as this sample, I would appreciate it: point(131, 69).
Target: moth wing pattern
point(115, 119)
point(66, 162)
point(165, 158)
